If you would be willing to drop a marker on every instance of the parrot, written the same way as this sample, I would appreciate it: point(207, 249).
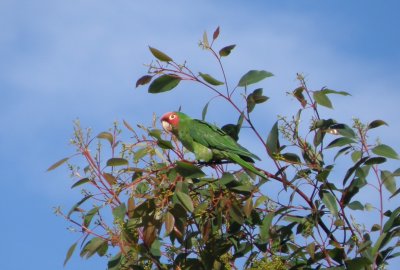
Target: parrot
point(207, 141)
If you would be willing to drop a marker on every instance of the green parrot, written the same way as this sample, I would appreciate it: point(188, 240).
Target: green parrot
point(207, 141)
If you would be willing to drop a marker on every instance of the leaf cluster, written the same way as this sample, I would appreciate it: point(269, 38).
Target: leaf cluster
point(147, 199)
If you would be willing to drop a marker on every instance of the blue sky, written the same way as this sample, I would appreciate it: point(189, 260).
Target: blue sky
point(62, 60)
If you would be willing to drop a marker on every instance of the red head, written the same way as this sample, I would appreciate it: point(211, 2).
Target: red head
point(170, 121)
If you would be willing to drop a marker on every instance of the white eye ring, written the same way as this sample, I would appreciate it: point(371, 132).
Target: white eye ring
point(172, 116)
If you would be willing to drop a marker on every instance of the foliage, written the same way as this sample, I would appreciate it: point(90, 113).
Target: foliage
point(146, 204)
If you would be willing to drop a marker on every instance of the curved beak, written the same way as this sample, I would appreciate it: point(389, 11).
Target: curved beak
point(166, 126)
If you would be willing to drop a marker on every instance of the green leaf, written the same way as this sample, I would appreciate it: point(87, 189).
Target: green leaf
point(114, 262)
point(251, 104)
point(273, 141)
point(58, 163)
point(204, 111)
point(211, 80)
point(185, 200)
point(81, 182)
point(340, 142)
point(155, 248)
point(117, 162)
point(165, 144)
point(69, 253)
point(375, 160)
point(78, 204)
point(388, 181)
point(188, 170)
point(329, 91)
point(385, 151)
point(358, 263)
point(160, 55)
point(376, 123)
point(236, 214)
point(91, 247)
point(344, 130)
point(119, 212)
point(265, 227)
point(298, 93)
point(389, 223)
point(225, 51)
point(356, 205)
point(330, 202)
point(143, 80)
point(291, 157)
point(106, 136)
point(89, 216)
point(322, 99)
point(253, 76)
point(164, 83)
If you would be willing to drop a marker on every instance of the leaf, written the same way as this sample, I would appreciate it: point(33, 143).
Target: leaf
point(169, 223)
point(111, 180)
point(160, 55)
point(225, 51)
point(164, 83)
point(389, 223)
point(291, 157)
point(204, 111)
point(107, 136)
point(114, 262)
point(340, 142)
point(265, 227)
point(388, 181)
point(330, 202)
point(69, 253)
point(273, 141)
point(251, 104)
point(216, 33)
point(165, 144)
point(344, 130)
point(117, 162)
point(188, 170)
point(377, 123)
point(185, 200)
point(211, 80)
point(253, 76)
point(248, 207)
point(385, 151)
point(329, 91)
point(91, 247)
point(322, 99)
point(206, 44)
point(353, 169)
point(143, 80)
point(89, 216)
point(375, 160)
point(58, 163)
point(81, 182)
point(78, 204)
point(236, 214)
point(356, 205)
point(298, 93)
point(128, 126)
point(119, 212)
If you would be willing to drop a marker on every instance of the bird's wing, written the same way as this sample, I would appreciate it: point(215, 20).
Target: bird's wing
point(215, 138)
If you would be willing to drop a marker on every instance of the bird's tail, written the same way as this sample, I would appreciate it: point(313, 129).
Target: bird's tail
point(246, 165)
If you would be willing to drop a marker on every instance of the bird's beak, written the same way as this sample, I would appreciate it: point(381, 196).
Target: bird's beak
point(166, 126)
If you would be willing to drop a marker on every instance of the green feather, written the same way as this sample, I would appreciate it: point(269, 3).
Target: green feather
point(208, 142)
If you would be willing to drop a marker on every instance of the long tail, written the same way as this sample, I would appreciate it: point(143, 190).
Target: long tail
point(245, 165)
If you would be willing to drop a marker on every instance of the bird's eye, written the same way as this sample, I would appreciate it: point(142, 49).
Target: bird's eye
point(172, 116)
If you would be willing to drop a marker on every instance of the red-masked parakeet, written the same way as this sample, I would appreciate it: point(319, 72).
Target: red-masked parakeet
point(207, 141)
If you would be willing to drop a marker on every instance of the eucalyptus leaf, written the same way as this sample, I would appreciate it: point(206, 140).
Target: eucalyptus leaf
point(253, 76)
